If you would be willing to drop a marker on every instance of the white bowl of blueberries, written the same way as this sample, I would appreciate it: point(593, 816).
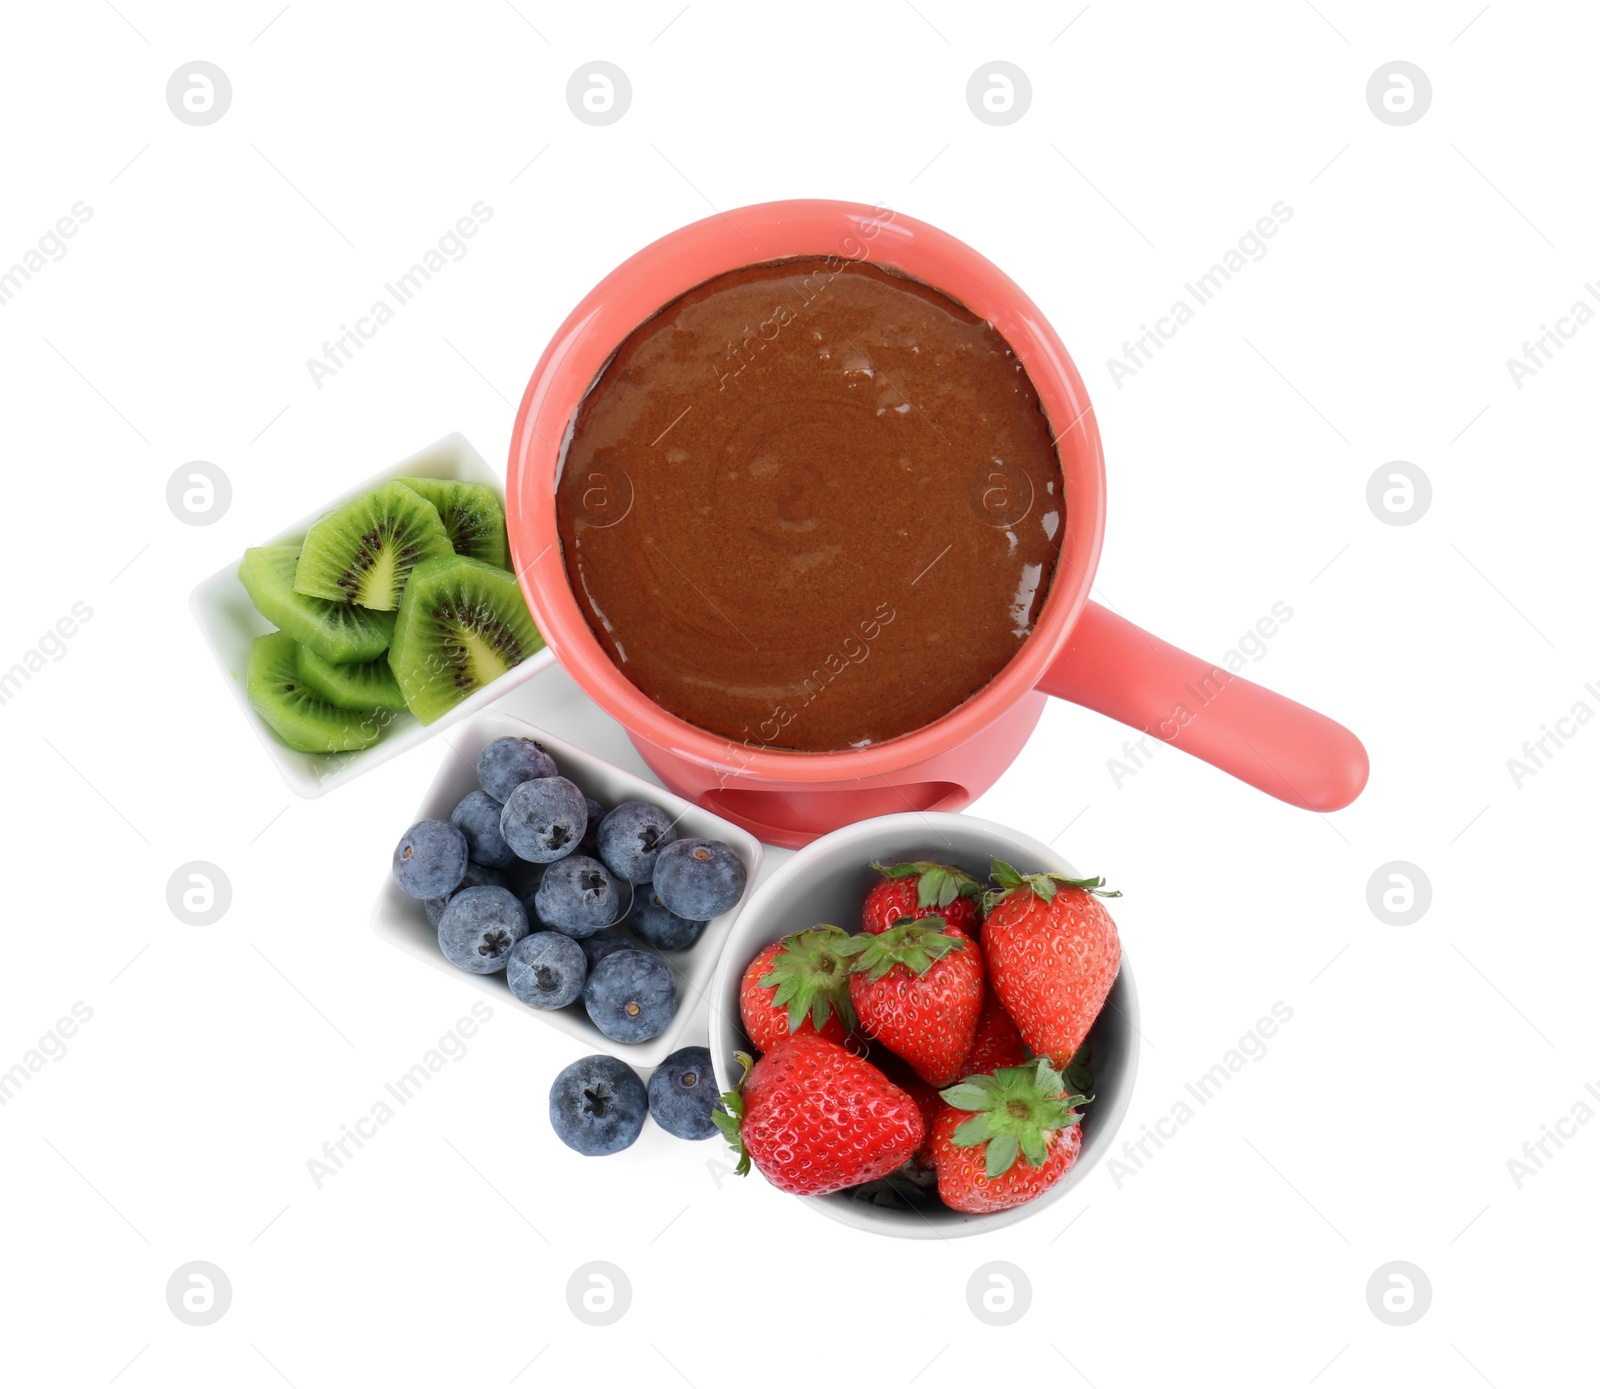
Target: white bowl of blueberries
point(577, 892)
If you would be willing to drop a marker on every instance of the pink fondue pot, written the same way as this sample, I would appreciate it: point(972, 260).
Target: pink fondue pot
point(1078, 650)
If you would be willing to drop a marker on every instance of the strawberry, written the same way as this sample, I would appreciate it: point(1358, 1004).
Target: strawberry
point(1053, 952)
point(921, 890)
point(798, 985)
point(928, 1103)
point(997, 1042)
point(1006, 1138)
point(917, 988)
point(815, 1118)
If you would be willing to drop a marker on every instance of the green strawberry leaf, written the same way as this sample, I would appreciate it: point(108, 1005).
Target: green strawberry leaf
point(938, 884)
point(810, 976)
point(1042, 885)
point(1014, 1111)
point(1004, 875)
point(1033, 1147)
point(916, 943)
point(1078, 1075)
point(973, 1093)
point(972, 1132)
point(1000, 1154)
point(729, 1116)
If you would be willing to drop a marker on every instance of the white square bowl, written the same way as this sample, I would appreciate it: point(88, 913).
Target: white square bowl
point(230, 623)
point(401, 921)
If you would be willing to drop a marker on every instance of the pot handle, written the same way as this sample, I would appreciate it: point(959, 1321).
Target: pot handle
point(1274, 744)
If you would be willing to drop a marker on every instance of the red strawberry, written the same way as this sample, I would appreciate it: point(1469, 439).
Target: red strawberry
point(798, 985)
point(1018, 1135)
point(928, 1102)
point(815, 1118)
point(918, 989)
point(1053, 952)
point(997, 1042)
point(920, 890)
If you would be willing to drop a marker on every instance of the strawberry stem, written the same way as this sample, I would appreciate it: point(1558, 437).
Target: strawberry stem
point(915, 942)
point(1043, 885)
point(811, 976)
point(1014, 1112)
point(938, 884)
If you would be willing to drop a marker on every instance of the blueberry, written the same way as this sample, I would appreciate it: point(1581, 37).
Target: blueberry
point(683, 1092)
point(477, 876)
point(631, 996)
point(630, 838)
point(656, 926)
point(479, 927)
point(508, 762)
point(603, 943)
point(544, 819)
point(598, 1105)
point(698, 878)
point(591, 831)
point(478, 818)
point(577, 896)
point(430, 859)
point(546, 969)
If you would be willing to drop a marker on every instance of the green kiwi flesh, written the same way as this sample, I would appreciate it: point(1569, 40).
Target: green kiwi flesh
point(303, 720)
point(367, 685)
point(337, 632)
point(462, 624)
point(472, 515)
point(364, 551)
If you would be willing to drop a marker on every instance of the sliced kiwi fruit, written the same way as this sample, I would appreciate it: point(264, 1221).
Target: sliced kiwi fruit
point(305, 721)
point(337, 632)
point(364, 551)
point(462, 624)
point(366, 685)
point(472, 515)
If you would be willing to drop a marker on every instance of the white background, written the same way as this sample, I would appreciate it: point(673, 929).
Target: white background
point(1378, 1124)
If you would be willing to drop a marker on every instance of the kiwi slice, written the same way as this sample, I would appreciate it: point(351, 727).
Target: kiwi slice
point(337, 632)
point(472, 515)
point(364, 551)
point(462, 624)
point(305, 721)
point(367, 685)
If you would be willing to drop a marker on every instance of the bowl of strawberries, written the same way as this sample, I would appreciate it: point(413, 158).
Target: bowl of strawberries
point(926, 1024)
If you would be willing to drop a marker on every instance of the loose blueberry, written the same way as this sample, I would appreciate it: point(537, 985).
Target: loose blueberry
point(631, 996)
point(656, 926)
point(630, 838)
point(591, 831)
point(478, 818)
point(683, 1092)
point(508, 762)
point(479, 927)
point(546, 969)
point(598, 1105)
point(698, 878)
point(577, 896)
point(603, 943)
point(430, 859)
point(477, 876)
point(544, 819)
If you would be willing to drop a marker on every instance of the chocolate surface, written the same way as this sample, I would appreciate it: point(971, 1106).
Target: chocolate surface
point(811, 504)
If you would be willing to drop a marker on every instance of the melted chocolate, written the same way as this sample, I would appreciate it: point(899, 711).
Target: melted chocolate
point(811, 504)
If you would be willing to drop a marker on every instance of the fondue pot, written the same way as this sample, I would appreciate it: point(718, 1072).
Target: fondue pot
point(1077, 651)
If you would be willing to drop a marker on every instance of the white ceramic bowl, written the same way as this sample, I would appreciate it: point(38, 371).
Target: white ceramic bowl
point(827, 881)
point(230, 623)
point(400, 919)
